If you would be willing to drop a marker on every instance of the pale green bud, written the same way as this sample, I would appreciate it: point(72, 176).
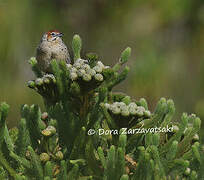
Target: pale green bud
point(39, 81)
point(98, 77)
point(73, 70)
point(81, 61)
point(125, 112)
point(107, 106)
point(99, 63)
point(175, 128)
point(141, 108)
point(81, 72)
point(116, 104)
point(46, 132)
point(132, 110)
point(196, 137)
point(44, 116)
point(77, 65)
point(132, 105)
point(76, 46)
point(187, 171)
point(86, 67)
point(106, 67)
point(73, 76)
point(111, 107)
point(140, 111)
point(59, 155)
point(86, 77)
point(46, 80)
point(33, 61)
point(31, 84)
point(147, 113)
point(51, 77)
point(69, 66)
point(98, 69)
point(122, 105)
point(91, 72)
point(50, 130)
point(115, 109)
point(44, 157)
point(125, 55)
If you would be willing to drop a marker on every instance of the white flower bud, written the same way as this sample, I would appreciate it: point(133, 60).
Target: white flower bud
point(98, 69)
point(132, 111)
point(69, 66)
point(147, 113)
point(196, 137)
point(99, 63)
point(106, 67)
point(51, 77)
point(73, 76)
point(123, 108)
point(59, 155)
point(116, 104)
point(141, 108)
point(125, 112)
point(139, 111)
point(50, 130)
point(187, 171)
point(132, 105)
point(81, 61)
point(91, 72)
point(107, 105)
point(98, 77)
point(73, 70)
point(111, 107)
point(39, 81)
point(81, 72)
point(77, 65)
point(115, 110)
point(86, 67)
point(175, 128)
point(86, 77)
point(122, 105)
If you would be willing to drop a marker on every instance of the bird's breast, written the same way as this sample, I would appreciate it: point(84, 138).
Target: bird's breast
point(59, 52)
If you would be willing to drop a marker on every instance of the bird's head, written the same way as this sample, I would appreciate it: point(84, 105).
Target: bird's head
point(52, 36)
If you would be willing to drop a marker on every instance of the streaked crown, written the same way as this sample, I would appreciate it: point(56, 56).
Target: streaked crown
point(52, 35)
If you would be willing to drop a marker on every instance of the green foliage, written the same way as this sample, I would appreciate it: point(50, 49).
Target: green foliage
point(76, 46)
point(89, 132)
point(125, 55)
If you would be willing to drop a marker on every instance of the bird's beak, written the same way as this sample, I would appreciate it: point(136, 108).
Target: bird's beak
point(60, 35)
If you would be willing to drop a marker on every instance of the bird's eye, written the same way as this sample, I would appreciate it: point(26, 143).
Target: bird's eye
point(52, 33)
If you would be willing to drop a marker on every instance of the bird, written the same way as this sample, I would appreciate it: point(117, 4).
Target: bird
point(51, 47)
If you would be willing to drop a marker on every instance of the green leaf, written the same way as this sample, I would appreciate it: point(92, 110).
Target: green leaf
point(76, 46)
point(125, 55)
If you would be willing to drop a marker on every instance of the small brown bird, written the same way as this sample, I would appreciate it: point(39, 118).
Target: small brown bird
point(51, 47)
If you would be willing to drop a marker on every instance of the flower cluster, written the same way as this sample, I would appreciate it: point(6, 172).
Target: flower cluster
point(46, 79)
point(50, 138)
point(81, 69)
point(127, 110)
